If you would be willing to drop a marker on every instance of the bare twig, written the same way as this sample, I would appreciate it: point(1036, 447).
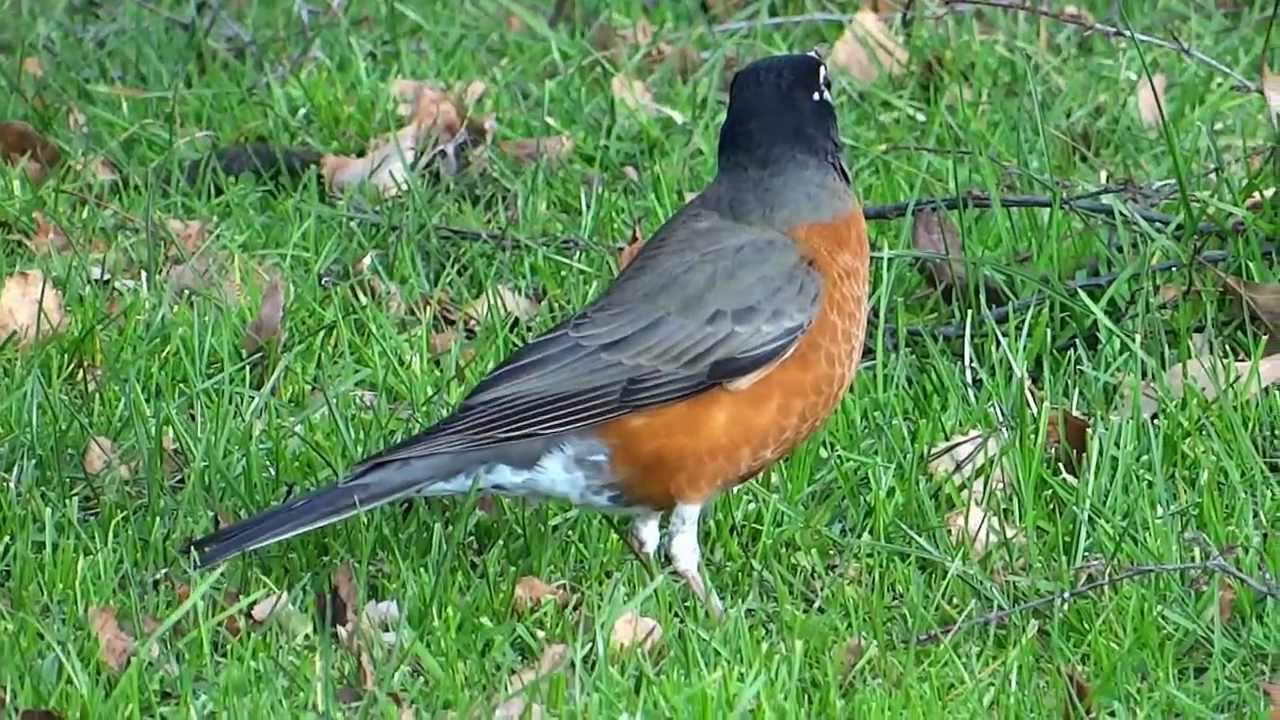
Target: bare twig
point(974, 199)
point(738, 25)
point(1002, 313)
point(1216, 565)
point(1242, 83)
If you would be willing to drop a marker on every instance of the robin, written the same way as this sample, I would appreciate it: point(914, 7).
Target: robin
point(724, 344)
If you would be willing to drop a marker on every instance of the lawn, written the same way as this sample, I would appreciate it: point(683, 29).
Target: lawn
point(830, 564)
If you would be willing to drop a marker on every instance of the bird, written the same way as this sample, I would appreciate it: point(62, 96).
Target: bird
point(726, 342)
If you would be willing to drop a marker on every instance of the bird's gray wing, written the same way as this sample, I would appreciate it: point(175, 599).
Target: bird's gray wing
point(705, 302)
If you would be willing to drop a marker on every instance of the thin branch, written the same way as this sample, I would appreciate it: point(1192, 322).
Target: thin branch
point(974, 199)
point(1242, 83)
point(738, 25)
point(1002, 313)
point(1216, 565)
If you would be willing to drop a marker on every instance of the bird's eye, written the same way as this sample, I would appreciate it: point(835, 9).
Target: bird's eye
point(824, 85)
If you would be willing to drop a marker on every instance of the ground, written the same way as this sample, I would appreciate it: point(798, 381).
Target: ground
point(845, 541)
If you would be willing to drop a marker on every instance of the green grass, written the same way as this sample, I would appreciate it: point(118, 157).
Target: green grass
point(845, 539)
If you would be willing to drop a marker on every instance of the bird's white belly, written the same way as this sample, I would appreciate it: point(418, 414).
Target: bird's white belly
point(574, 472)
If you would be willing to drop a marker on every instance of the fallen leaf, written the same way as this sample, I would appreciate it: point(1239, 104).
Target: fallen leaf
point(77, 122)
point(277, 609)
point(978, 528)
point(1151, 102)
point(387, 165)
point(203, 274)
point(343, 611)
point(868, 47)
point(635, 95)
point(441, 342)
point(529, 151)
point(33, 67)
point(1077, 13)
point(265, 326)
point(101, 455)
point(850, 653)
point(192, 235)
point(1272, 690)
point(1261, 300)
point(1226, 601)
point(530, 592)
point(1067, 435)
point(1080, 700)
point(38, 714)
point(933, 232)
point(1271, 93)
point(1258, 199)
point(633, 629)
point(115, 646)
point(30, 307)
point(428, 106)
point(97, 168)
point(507, 302)
point(554, 658)
point(632, 249)
point(519, 708)
point(49, 237)
point(1207, 374)
point(960, 459)
point(23, 147)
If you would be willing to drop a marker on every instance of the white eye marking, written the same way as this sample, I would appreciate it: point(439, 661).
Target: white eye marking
point(824, 85)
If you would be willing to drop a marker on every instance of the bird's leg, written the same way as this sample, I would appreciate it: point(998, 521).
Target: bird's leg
point(686, 555)
point(643, 538)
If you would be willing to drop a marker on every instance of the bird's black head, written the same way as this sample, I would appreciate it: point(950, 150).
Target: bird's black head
point(779, 108)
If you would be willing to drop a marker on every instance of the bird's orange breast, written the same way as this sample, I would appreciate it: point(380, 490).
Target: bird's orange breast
point(688, 451)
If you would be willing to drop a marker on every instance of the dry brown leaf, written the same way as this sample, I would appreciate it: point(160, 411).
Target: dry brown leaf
point(530, 592)
point(115, 646)
point(528, 151)
point(1226, 601)
point(265, 326)
point(387, 165)
point(33, 67)
point(49, 237)
point(23, 147)
point(1208, 375)
point(1067, 435)
point(850, 653)
point(961, 459)
point(1151, 102)
point(344, 589)
point(77, 122)
point(1272, 690)
point(1258, 199)
point(101, 455)
point(518, 708)
point(428, 105)
point(933, 232)
point(97, 168)
point(202, 274)
point(632, 249)
point(868, 47)
point(1271, 92)
point(507, 302)
point(30, 307)
point(635, 95)
point(979, 528)
point(192, 235)
point(1080, 702)
point(1261, 300)
point(277, 609)
point(441, 342)
point(554, 658)
point(635, 630)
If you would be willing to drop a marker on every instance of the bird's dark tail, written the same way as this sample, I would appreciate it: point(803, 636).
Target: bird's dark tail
point(374, 487)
